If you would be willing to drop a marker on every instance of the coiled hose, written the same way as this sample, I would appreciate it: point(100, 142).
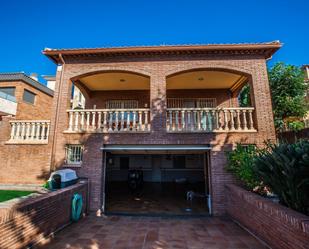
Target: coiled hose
point(77, 206)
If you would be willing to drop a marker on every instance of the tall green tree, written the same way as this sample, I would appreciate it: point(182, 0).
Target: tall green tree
point(288, 92)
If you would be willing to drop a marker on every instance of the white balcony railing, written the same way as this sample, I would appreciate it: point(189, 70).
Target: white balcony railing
point(29, 131)
point(210, 120)
point(109, 120)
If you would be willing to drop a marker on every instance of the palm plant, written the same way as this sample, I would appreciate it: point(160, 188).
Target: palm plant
point(285, 169)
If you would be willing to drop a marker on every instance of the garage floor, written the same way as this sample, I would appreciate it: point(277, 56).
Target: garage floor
point(155, 198)
point(122, 232)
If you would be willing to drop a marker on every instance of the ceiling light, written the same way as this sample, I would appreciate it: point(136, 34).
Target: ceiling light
point(201, 78)
point(122, 80)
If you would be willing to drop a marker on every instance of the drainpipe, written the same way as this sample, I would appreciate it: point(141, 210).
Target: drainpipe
point(52, 167)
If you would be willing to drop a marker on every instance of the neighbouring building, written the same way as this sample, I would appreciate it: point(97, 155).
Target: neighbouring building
point(25, 112)
point(164, 114)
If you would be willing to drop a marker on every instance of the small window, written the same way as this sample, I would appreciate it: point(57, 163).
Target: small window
point(8, 90)
point(28, 97)
point(74, 153)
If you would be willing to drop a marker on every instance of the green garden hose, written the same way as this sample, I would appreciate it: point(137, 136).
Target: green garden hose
point(77, 206)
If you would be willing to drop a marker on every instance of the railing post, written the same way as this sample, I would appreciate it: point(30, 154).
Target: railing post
point(32, 130)
point(42, 131)
point(226, 125)
point(110, 123)
point(82, 121)
point(170, 120)
point(140, 120)
point(37, 135)
point(176, 120)
point(28, 130)
point(134, 121)
point(128, 121)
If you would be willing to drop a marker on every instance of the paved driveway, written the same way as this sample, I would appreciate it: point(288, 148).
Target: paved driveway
point(121, 232)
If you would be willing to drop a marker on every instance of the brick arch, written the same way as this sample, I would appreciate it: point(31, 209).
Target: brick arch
point(219, 67)
point(87, 72)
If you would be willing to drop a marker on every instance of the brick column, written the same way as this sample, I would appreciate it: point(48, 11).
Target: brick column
point(261, 99)
point(158, 102)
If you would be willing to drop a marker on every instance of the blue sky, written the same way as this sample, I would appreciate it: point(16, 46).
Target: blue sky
point(27, 27)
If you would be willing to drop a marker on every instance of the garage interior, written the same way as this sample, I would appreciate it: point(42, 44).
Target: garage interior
point(157, 182)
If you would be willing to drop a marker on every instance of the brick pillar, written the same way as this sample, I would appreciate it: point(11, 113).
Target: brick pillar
point(158, 102)
point(261, 99)
point(219, 177)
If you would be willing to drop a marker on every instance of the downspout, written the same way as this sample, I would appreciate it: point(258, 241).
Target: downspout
point(59, 88)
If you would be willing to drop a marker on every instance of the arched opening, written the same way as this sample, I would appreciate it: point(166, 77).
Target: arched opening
point(110, 101)
point(208, 100)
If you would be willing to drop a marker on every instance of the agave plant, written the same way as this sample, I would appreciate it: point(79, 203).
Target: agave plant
point(285, 169)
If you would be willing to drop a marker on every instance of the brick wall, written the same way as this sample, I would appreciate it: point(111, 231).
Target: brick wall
point(25, 163)
point(158, 68)
point(35, 219)
point(278, 226)
point(41, 109)
point(22, 163)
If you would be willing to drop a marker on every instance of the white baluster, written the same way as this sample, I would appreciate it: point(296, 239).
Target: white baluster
point(146, 120)
point(232, 120)
point(183, 121)
point(194, 120)
point(23, 130)
point(198, 120)
point(122, 120)
point(105, 121)
point(110, 123)
point(70, 120)
point(87, 121)
point(140, 121)
point(33, 131)
point(47, 131)
point(176, 120)
point(13, 127)
point(93, 121)
point(218, 120)
point(76, 121)
point(170, 120)
point(238, 126)
point(28, 130)
point(42, 131)
point(99, 124)
point(128, 121)
point(203, 124)
point(37, 135)
point(82, 121)
point(134, 121)
point(250, 120)
point(116, 121)
point(226, 125)
point(244, 120)
point(214, 120)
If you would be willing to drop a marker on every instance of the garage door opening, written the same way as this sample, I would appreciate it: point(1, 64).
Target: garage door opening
point(157, 183)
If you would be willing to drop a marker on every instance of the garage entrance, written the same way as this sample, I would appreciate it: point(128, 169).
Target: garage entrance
point(154, 180)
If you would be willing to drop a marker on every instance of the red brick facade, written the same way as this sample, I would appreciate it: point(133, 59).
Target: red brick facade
point(158, 68)
point(25, 163)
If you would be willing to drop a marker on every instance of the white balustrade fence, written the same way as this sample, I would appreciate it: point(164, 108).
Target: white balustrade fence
point(109, 120)
point(210, 119)
point(29, 131)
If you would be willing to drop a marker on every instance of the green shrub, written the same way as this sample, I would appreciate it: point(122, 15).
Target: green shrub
point(285, 169)
point(240, 163)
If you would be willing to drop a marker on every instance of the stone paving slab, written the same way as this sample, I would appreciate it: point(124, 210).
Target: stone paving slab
point(122, 232)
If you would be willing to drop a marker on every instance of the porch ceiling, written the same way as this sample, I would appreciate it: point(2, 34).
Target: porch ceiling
point(115, 81)
point(205, 80)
